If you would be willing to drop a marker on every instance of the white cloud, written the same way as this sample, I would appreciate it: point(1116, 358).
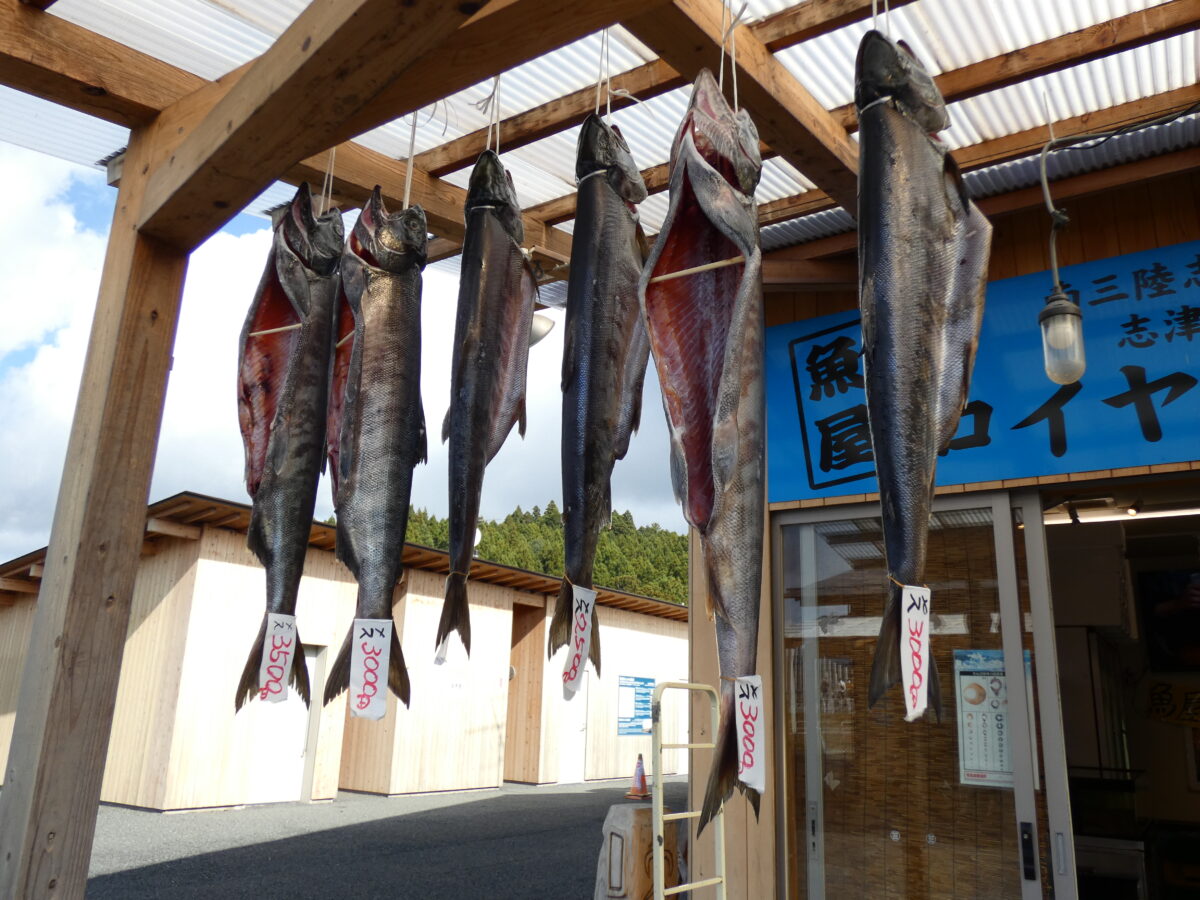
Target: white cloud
point(200, 446)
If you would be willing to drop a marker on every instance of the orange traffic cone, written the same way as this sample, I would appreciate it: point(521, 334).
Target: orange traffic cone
point(639, 791)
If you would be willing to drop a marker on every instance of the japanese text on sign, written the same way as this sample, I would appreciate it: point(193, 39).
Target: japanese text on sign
point(635, 697)
point(1135, 405)
point(580, 642)
point(914, 650)
point(751, 731)
point(278, 656)
point(370, 654)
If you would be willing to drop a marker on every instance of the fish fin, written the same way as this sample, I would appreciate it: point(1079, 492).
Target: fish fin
point(520, 418)
point(446, 427)
point(248, 686)
point(954, 177)
point(885, 667)
point(594, 649)
point(935, 688)
point(279, 449)
point(643, 243)
point(338, 679)
point(724, 772)
point(339, 378)
point(560, 624)
point(456, 613)
point(678, 476)
point(397, 671)
point(423, 433)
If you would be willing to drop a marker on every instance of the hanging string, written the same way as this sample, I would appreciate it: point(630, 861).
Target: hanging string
point(327, 184)
point(492, 102)
point(412, 150)
point(887, 17)
point(729, 36)
point(721, 65)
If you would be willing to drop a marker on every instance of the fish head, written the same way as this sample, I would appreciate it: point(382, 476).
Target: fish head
point(727, 140)
point(491, 187)
point(390, 241)
point(316, 240)
point(602, 148)
point(887, 68)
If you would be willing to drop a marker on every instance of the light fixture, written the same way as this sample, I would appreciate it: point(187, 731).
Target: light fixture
point(1062, 339)
point(539, 328)
point(1134, 508)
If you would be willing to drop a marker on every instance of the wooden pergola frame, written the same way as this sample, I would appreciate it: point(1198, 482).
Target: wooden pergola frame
point(199, 151)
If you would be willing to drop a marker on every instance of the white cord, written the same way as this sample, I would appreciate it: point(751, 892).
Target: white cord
point(412, 149)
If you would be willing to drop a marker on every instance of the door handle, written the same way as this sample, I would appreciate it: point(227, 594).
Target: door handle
point(1028, 857)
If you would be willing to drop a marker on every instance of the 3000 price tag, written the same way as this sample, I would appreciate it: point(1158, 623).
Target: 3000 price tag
point(751, 731)
point(914, 650)
point(370, 651)
point(580, 642)
point(279, 652)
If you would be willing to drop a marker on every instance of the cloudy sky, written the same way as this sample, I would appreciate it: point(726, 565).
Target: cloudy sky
point(53, 237)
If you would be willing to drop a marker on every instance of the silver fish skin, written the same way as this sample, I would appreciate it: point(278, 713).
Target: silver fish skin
point(496, 294)
point(706, 334)
point(382, 434)
point(604, 357)
point(283, 383)
point(923, 255)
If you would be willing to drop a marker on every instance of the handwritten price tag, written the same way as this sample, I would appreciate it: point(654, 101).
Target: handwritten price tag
point(914, 650)
point(581, 641)
point(279, 651)
point(751, 731)
point(370, 651)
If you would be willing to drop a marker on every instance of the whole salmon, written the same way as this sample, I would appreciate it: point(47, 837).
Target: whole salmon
point(496, 294)
point(283, 383)
point(706, 333)
point(604, 357)
point(923, 255)
point(379, 421)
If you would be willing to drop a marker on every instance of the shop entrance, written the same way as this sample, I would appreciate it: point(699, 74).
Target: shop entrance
point(975, 806)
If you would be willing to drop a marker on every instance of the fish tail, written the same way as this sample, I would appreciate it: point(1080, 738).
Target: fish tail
point(885, 667)
point(339, 674)
point(935, 688)
point(723, 775)
point(456, 613)
point(248, 686)
point(560, 625)
point(594, 650)
point(398, 671)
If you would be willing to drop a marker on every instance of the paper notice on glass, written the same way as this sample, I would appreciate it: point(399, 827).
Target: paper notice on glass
point(370, 652)
point(580, 642)
point(751, 731)
point(279, 650)
point(914, 649)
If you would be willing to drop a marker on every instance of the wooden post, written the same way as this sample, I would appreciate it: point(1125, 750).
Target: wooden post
point(68, 688)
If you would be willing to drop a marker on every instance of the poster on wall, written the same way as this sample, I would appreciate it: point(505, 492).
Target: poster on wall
point(634, 698)
point(984, 742)
point(1137, 404)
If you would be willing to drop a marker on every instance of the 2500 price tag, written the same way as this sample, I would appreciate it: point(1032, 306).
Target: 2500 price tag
point(279, 652)
point(370, 654)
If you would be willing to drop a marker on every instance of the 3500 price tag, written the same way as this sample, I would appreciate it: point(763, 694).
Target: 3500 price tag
point(279, 652)
point(580, 642)
point(370, 651)
point(752, 733)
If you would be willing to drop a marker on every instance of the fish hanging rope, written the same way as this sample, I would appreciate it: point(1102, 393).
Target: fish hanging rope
point(327, 183)
point(492, 103)
point(729, 36)
point(412, 150)
point(604, 76)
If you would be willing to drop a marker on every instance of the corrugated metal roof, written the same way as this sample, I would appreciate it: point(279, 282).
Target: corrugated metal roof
point(210, 37)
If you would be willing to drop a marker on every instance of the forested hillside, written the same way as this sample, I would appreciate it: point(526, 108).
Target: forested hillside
point(645, 560)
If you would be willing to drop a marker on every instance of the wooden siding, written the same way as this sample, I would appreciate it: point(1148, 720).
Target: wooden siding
point(136, 771)
point(16, 624)
point(523, 731)
point(218, 758)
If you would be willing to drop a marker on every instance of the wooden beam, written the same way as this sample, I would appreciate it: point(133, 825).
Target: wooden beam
point(36, 570)
point(58, 61)
point(810, 273)
point(18, 586)
point(687, 34)
point(68, 687)
point(169, 528)
point(332, 61)
point(807, 20)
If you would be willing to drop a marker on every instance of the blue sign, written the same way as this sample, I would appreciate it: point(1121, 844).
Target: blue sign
point(634, 698)
point(1137, 404)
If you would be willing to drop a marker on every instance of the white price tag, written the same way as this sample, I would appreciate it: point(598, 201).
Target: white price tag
point(278, 653)
point(370, 653)
point(751, 731)
point(914, 650)
point(580, 642)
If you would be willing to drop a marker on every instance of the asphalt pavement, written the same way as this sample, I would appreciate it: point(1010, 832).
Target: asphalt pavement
point(517, 842)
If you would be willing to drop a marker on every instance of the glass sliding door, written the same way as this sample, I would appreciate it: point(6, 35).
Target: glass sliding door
point(875, 806)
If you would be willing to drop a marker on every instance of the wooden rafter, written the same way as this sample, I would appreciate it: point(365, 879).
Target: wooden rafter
point(687, 34)
point(807, 20)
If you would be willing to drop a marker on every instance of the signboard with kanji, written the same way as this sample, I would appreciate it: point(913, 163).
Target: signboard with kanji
point(1137, 404)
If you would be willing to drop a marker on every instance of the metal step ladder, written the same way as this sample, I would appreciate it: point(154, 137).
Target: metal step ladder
point(658, 820)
